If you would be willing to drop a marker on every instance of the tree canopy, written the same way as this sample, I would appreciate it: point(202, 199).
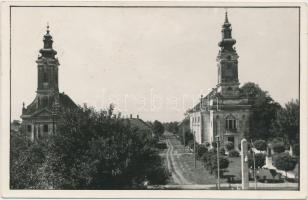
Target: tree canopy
point(264, 110)
point(287, 123)
point(91, 150)
point(284, 161)
point(172, 126)
point(158, 128)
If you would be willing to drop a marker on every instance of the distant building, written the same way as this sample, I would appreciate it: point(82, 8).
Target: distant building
point(39, 118)
point(140, 125)
point(184, 128)
point(223, 111)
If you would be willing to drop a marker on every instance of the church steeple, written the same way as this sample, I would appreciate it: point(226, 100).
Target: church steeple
point(227, 41)
point(47, 67)
point(47, 51)
point(227, 61)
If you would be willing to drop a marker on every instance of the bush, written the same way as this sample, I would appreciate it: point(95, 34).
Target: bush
point(260, 145)
point(273, 173)
point(223, 164)
point(278, 147)
point(214, 144)
point(234, 153)
point(259, 160)
point(207, 144)
point(222, 151)
point(210, 161)
point(229, 146)
point(201, 150)
point(284, 161)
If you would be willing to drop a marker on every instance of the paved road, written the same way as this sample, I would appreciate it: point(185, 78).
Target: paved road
point(177, 174)
point(181, 182)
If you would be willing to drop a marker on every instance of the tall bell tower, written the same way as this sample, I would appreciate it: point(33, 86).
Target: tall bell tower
point(227, 62)
point(47, 68)
point(47, 73)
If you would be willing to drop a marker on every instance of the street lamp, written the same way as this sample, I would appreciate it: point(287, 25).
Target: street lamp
point(218, 168)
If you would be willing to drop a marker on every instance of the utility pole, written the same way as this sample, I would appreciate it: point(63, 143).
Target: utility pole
point(195, 162)
point(254, 169)
point(254, 165)
point(218, 167)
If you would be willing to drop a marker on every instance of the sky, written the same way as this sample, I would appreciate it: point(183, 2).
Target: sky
point(154, 62)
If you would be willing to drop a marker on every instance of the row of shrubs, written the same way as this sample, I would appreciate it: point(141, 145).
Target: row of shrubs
point(209, 159)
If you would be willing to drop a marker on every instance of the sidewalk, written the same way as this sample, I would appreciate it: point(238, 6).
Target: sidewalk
point(226, 186)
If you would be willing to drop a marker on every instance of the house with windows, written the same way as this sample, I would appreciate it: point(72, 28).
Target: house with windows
point(223, 112)
point(39, 118)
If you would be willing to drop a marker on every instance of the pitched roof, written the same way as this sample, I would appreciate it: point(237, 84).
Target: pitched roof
point(139, 123)
point(40, 104)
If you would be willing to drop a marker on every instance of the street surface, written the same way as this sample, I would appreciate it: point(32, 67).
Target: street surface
point(185, 176)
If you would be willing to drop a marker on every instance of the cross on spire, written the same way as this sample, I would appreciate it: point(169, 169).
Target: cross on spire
point(226, 17)
point(47, 27)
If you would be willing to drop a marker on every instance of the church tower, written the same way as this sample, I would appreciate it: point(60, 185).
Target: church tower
point(39, 118)
point(47, 68)
point(227, 62)
point(223, 113)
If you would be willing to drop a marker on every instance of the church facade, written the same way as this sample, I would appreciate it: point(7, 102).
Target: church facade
point(39, 118)
point(223, 113)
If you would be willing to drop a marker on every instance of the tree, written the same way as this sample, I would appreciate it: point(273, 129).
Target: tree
point(287, 123)
point(201, 150)
point(92, 150)
point(158, 128)
point(259, 160)
point(223, 164)
point(214, 144)
point(264, 110)
point(25, 160)
point(260, 145)
point(278, 147)
point(209, 159)
point(273, 173)
point(189, 138)
point(284, 161)
point(172, 127)
point(234, 153)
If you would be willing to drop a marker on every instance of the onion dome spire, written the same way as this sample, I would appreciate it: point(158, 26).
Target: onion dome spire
point(227, 41)
point(47, 51)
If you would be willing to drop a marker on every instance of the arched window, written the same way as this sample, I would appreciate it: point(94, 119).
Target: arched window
point(231, 122)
